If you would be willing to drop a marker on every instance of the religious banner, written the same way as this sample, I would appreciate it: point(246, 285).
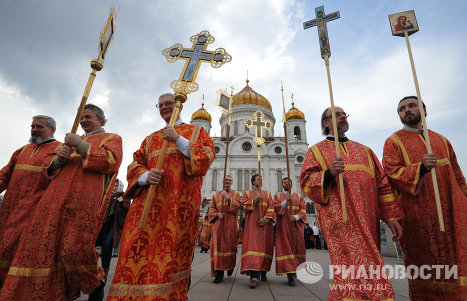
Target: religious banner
point(106, 37)
point(403, 22)
point(223, 100)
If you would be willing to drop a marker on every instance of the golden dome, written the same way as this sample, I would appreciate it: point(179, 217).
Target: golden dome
point(201, 114)
point(249, 96)
point(294, 113)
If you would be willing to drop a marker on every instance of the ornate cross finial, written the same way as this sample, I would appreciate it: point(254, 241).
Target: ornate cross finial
point(194, 57)
point(292, 99)
point(259, 124)
point(320, 22)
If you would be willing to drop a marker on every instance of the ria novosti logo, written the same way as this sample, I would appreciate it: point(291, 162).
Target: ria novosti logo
point(309, 272)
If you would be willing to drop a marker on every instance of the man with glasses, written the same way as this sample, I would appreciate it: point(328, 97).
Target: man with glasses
point(155, 262)
point(409, 167)
point(353, 244)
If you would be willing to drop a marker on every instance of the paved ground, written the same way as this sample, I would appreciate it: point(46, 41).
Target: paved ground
point(236, 287)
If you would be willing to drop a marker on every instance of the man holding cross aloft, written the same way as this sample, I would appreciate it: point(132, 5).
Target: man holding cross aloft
point(155, 262)
point(353, 243)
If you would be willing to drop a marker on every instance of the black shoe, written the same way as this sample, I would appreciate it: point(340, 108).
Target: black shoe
point(217, 279)
point(291, 282)
point(230, 272)
point(263, 277)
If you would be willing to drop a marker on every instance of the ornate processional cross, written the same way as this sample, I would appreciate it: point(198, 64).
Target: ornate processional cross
point(184, 85)
point(259, 124)
point(194, 56)
point(320, 22)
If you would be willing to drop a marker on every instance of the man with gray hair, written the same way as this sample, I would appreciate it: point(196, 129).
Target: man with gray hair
point(25, 182)
point(64, 227)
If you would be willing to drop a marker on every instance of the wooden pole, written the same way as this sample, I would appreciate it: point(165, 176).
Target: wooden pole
point(260, 186)
point(96, 65)
point(427, 136)
point(289, 190)
point(160, 161)
point(222, 222)
point(336, 139)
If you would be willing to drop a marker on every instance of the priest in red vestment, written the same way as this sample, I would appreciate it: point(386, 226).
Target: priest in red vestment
point(258, 238)
point(205, 234)
point(353, 244)
point(56, 257)
point(154, 263)
point(25, 183)
point(223, 214)
point(409, 167)
point(290, 212)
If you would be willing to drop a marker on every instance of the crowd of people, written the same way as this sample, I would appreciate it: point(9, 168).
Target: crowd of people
point(64, 198)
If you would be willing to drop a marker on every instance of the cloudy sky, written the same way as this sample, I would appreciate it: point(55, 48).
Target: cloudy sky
point(46, 47)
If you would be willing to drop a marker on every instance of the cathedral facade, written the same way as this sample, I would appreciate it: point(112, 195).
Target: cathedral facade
point(242, 159)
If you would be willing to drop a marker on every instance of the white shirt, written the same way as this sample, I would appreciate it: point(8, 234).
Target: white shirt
point(183, 145)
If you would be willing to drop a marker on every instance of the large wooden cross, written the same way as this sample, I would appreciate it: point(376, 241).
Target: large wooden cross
point(320, 22)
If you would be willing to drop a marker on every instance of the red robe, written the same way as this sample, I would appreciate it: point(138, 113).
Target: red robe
point(258, 241)
point(57, 250)
point(224, 231)
point(205, 235)
point(368, 197)
point(154, 263)
point(25, 183)
point(290, 245)
point(423, 242)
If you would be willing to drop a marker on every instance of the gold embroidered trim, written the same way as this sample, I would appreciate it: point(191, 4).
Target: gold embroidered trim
point(38, 272)
point(285, 257)
point(28, 167)
point(225, 254)
point(387, 198)
point(253, 253)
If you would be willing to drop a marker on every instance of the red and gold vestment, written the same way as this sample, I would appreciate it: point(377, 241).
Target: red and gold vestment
point(368, 197)
point(56, 253)
point(423, 242)
point(224, 231)
point(258, 241)
point(154, 263)
point(290, 245)
point(205, 234)
point(25, 182)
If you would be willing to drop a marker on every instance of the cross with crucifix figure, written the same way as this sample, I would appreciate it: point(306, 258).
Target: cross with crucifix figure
point(320, 22)
point(259, 124)
point(184, 85)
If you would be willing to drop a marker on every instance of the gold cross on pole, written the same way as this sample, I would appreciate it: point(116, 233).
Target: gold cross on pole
point(193, 57)
point(259, 124)
point(185, 85)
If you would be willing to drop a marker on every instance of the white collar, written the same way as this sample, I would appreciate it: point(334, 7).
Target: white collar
point(178, 122)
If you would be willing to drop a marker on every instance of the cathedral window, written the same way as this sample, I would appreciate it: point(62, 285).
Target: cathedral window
point(296, 133)
point(247, 179)
point(214, 180)
point(217, 149)
point(236, 128)
point(279, 180)
point(300, 159)
point(278, 149)
point(239, 180)
point(246, 146)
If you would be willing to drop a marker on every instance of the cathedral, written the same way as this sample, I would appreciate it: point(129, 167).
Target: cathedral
point(242, 161)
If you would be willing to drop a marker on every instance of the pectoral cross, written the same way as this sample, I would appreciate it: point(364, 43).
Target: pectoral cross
point(259, 124)
point(320, 22)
